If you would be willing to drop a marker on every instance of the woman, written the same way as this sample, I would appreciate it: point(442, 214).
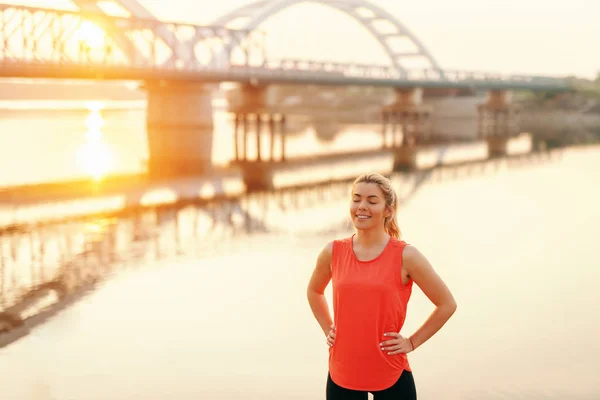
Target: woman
point(372, 273)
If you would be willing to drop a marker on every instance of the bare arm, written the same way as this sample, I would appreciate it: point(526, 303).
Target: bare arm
point(423, 274)
point(316, 288)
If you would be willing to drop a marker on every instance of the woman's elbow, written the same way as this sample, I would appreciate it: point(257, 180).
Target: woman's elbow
point(447, 307)
point(451, 306)
point(312, 292)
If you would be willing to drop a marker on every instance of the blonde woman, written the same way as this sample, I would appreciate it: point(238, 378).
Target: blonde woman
point(372, 274)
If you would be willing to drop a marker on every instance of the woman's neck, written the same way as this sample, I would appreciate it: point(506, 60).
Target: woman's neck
point(372, 237)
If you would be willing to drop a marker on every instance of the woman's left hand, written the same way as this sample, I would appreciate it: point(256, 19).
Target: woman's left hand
point(397, 345)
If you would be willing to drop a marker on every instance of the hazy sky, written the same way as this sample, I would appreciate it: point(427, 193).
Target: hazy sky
point(552, 37)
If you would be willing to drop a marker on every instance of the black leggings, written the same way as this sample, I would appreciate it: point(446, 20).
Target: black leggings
point(403, 389)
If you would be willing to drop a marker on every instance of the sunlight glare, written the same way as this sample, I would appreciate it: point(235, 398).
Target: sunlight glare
point(95, 157)
point(91, 34)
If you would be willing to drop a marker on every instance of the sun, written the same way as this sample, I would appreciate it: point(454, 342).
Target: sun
point(94, 156)
point(91, 35)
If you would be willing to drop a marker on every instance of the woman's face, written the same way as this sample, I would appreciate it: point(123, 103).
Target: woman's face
point(368, 209)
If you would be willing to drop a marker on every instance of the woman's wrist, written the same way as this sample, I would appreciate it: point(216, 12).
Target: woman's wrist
point(412, 345)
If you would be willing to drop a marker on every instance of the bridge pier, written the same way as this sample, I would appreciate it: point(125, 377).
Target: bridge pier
point(409, 123)
point(253, 116)
point(179, 125)
point(258, 171)
point(246, 123)
point(498, 122)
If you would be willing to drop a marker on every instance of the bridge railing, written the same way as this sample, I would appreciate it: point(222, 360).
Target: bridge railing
point(38, 35)
point(390, 72)
point(36, 38)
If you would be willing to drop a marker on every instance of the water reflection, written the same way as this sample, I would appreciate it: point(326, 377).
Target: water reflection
point(59, 260)
point(184, 282)
point(95, 157)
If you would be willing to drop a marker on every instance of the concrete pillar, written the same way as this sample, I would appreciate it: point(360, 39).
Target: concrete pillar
point(250, 99)
point(271, 122)
point(413, 118)
point(236, 141)
point(283, 132)
point(497, 145)
point(498, 122)
point(179, 128)
point(253, 105)
point(408, 97)
point(257, 124)
point(258, 176)
point(498, 99)
point(385, 117)
point(405, 158)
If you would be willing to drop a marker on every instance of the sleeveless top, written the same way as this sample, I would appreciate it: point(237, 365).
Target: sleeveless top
point(369, 300)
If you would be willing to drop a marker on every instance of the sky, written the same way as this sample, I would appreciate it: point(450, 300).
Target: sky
point(535, 37)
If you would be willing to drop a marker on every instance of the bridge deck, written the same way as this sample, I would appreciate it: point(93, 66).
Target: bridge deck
point(45, 43)
point(256, 75)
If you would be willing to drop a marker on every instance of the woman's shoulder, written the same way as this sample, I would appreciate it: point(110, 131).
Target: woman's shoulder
point(344, 240)
point(411, 256)
point(337, 243)
point(327, 251)
point(407, 251)
point(399, 243)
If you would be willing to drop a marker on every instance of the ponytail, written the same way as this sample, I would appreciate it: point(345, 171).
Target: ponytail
point(391, 227)
point(391, 222)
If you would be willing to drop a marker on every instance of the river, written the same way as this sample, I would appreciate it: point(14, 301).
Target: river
point(227, 317)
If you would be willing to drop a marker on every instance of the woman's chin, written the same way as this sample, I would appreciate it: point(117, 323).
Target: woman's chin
point(362, 225)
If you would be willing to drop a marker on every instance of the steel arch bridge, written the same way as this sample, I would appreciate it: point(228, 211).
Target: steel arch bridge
point(254, 14)
point(88, 44)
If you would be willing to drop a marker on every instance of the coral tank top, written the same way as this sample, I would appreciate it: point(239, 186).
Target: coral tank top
point(369, 299)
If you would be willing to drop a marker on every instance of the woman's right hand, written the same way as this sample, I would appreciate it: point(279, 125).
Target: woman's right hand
point(331, 335)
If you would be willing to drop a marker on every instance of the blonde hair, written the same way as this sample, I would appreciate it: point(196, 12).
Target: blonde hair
point(391, 200)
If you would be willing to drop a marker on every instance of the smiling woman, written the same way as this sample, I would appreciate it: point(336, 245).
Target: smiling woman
point(372, 275)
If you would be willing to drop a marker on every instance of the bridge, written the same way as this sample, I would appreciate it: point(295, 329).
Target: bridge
point(44, 43)
point(181, 64)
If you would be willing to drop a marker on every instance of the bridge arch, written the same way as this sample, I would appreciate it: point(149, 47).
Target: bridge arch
point(259, 11)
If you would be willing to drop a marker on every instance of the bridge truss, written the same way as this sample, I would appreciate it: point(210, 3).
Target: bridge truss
point(43, 43)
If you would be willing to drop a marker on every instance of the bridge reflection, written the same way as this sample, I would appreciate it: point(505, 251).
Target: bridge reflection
point(46, 267)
